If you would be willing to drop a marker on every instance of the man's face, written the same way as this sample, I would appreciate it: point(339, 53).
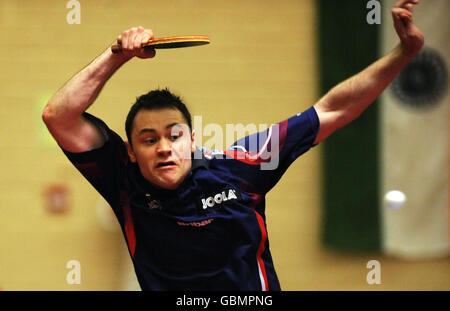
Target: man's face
point(162, 146)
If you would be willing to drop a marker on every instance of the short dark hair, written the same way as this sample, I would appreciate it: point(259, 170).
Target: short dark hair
point(153, 100)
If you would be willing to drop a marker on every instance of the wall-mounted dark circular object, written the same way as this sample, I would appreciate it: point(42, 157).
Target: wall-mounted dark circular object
point(57, 198)
point(423, 82)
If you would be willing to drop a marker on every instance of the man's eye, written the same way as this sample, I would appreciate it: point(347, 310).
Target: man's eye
point(176, 135)
point(150, 141)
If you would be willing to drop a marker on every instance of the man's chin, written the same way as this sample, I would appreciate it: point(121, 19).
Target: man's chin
point(169, 184)
point(167, 179)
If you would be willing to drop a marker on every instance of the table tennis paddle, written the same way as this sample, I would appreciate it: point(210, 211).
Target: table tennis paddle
point(168, 42)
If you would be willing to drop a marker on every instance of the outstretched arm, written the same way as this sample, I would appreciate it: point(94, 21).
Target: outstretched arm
point(346, 101)
point(63, 113)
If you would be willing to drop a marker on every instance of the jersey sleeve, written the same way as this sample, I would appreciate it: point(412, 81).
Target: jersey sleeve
point(104, 167)
point(262, 158)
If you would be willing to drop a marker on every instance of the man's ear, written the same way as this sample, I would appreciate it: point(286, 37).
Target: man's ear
point(130, 152)
point(193, 141)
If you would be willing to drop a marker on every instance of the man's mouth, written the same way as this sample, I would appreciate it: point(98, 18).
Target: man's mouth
point(166, 164)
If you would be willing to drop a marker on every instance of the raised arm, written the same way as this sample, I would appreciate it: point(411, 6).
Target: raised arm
point(63, 113)
point(346, 101)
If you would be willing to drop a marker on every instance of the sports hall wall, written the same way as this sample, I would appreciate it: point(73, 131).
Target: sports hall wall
point(260, 68)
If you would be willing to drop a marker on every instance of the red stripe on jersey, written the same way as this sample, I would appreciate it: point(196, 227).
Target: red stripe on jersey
point(256, 198)
point(252, 158)
point(261, 249)
point(129, 226)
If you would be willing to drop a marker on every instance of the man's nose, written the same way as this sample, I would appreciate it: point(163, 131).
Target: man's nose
point(164, 147)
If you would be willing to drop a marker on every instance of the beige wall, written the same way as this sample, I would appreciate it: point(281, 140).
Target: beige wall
point(259, 68)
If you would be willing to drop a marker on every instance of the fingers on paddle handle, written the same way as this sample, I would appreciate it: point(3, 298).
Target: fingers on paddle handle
point(116, 48)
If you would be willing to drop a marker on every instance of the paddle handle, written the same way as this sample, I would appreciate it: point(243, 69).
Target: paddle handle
point(116, 48)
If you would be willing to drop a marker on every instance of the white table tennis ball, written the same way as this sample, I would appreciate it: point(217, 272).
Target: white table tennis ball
point(394, 199)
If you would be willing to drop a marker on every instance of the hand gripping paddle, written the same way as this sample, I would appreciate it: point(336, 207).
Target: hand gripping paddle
point(168, 43)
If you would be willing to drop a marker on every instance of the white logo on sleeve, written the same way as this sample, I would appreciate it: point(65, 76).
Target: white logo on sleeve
point(219, 198)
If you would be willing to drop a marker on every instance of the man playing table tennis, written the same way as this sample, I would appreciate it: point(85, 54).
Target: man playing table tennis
point(194, 220)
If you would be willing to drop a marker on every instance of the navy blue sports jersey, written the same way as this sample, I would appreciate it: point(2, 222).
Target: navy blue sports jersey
point(210, 233)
